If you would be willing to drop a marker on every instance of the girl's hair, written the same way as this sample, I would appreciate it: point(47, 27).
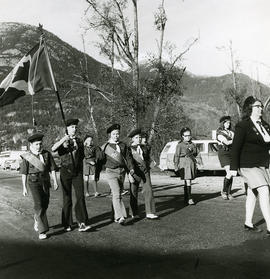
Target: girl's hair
point(247, 107)
point(221, 124)
point(87, 136)
point(183, 130)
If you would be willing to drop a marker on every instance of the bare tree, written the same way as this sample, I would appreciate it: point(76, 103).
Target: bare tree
point(108, 17)
point(165, 71)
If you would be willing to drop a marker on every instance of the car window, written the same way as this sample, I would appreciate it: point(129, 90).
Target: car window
point(213, 147)
point(200, 147)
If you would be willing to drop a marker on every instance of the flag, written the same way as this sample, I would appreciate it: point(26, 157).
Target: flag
point(32, 74)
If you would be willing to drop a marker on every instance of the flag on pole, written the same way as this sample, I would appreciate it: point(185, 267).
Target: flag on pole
point(32, 74)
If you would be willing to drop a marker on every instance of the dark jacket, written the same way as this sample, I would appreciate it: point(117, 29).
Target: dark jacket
point(78, 156)
point(125, 152)
point(248, 147)
point(141, 169)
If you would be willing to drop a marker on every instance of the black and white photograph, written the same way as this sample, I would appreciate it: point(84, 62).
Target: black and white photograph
point(134, 139)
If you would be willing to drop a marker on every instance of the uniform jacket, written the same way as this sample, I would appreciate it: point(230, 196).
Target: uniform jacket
point(248, 147)
point(184, 149)
point(35, 175)
point(146, 158)
point(125, 152)
point(78, 156)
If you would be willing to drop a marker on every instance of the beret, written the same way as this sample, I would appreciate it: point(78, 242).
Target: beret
point(135, 132)
point(224, 118)
point(144, 135)
point(113, 127)
point(72, 121)
point(35, 137)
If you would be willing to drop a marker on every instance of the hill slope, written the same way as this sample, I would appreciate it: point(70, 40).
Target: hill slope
point(203, 100)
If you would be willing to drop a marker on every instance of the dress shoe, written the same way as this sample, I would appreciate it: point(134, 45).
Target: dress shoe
point(252, 229)
point(68, 229)
point(83, 227)
point(42, 236)
point(120, 221)
point(151, 216)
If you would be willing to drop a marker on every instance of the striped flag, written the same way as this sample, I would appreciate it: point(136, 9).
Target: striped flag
point(32, 74)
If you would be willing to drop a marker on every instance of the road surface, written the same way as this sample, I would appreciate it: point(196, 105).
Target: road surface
point(202, 241)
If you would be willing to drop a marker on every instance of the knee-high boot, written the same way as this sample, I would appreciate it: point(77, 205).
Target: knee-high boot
point(185, 194)
point(230, 181)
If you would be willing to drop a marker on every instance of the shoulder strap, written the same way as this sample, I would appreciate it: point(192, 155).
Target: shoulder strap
point(114, 154)
point(32, 159)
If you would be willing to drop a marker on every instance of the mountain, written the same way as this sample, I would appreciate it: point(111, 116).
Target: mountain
point(203, 99)
point(16, 40)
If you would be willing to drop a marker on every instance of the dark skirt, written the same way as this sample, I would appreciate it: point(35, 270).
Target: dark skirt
point(187, 168)
point(224, 157)
point(90, 170)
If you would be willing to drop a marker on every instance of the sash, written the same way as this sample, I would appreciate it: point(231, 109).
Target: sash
point(32, 159)
point(138, 158)
point(115, 155)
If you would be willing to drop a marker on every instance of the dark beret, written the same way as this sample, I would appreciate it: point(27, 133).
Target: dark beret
point(113, 127)
point(144, 135)
point(224, 118)
point(35, 137)
point(135, 132)
point(72, 121)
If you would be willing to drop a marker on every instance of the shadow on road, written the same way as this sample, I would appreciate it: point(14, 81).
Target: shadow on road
point(46, 260)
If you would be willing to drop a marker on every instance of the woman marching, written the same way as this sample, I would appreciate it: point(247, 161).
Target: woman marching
point(225, 138)
point(250, 155)
point(142, 160)
point(91, 166)
point(117, 160)
point(185, 162)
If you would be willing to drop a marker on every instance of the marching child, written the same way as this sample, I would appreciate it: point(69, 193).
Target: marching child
point(35, 167)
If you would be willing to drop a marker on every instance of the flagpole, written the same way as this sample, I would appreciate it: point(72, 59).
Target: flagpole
point(55, 88)
point(52, 76)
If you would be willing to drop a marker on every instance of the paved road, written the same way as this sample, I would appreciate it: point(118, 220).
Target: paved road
point(202, 241)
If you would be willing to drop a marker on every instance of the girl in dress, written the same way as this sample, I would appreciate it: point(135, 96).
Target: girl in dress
point(91, 169)
point(185, 162)
point(225, 138)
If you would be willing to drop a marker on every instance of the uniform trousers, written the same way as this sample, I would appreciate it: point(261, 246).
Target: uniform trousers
point(68, 180)
point(41, 195)
point(116, 178)
point(148, 196)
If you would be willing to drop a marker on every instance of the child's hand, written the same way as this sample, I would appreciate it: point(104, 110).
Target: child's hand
point(25, 192)
point(55, 185)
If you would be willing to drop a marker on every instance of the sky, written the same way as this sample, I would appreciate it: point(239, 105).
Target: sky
point(245, 22)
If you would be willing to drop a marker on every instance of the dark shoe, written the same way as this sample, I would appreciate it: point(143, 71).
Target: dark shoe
point(252, 229)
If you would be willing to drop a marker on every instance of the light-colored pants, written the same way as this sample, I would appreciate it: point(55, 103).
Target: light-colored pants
point(116, 178)
point(148, 196)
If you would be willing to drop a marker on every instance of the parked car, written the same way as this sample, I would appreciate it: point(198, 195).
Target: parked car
point(15, 165)
point(207, 158)
point(7, 164)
